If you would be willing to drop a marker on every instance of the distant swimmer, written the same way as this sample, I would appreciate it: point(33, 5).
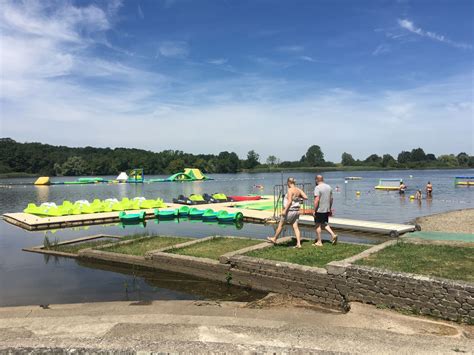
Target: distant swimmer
point(402, 188)
point(418, 195)
point(429, 189)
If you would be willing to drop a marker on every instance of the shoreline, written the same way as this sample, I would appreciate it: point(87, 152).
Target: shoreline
point(457, 221)
point(13, 175)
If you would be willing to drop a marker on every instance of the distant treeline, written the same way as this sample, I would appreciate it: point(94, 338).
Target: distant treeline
point(49, 160)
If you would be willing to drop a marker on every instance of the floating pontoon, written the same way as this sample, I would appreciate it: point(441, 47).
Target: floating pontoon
point(464, 181)
point(389, 184)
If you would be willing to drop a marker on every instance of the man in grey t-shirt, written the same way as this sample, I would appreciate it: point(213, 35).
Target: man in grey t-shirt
point(322, 208)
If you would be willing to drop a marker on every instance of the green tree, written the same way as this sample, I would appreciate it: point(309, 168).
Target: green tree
point(388, 161)
point(252, 160)
point(373, 159)
point(417, 155)
point(430, 157)
point(227, 162)
point(347, 159)
point(74, 166)
point(175, 166)
point(448, 160)
point(463, 159)
point(314, 156)
point(404, 157)
point(271, 160)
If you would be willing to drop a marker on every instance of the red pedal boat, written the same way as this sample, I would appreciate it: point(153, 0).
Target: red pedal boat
point(245, 198)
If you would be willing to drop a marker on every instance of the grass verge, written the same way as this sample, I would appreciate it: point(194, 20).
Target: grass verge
point(308, 255)
point(140, 247)
point(215, 247)
point(444, 261)
point(75, 247)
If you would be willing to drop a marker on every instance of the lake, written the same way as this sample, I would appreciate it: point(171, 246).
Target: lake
point(29, 278)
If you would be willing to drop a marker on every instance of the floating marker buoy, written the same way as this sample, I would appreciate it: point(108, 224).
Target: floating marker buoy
point(412, 197)
point(411, 176)
point(358, 193)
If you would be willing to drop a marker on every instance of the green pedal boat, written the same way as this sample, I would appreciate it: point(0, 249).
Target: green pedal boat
point(195, 213)
point(226, 217)
point(165, 214)
point(132, 217)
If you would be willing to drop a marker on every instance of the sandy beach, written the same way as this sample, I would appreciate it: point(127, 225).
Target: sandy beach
point(461, 221)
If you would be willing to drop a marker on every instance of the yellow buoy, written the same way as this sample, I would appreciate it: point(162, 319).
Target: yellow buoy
point(412, 197)
point(358, 193)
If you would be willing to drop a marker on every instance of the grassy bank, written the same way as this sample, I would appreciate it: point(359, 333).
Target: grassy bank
point(449, 262)
point(142, 246)
point(308, 254)
point(75, 247)
point(215, 247)
point(16, 175)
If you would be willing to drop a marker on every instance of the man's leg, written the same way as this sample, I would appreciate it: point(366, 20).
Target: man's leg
point(318, 241)
point(333, 235)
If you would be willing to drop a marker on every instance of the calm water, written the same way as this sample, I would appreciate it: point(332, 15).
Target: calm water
point(29, 278)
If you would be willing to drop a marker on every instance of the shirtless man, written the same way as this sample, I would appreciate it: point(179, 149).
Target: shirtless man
point(429, 189)
point(322, 208)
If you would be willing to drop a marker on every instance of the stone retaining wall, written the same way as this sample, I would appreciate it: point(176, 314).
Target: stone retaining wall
point(413, 293)
point(310, 283)
point(336, 285)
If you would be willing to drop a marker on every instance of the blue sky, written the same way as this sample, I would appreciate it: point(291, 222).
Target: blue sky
point(206, 76)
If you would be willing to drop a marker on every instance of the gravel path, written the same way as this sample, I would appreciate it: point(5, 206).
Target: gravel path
point(461, 221)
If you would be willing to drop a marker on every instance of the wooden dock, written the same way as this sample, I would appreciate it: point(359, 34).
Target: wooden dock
point(31, 222)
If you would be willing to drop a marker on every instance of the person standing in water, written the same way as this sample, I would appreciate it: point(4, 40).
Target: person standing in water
point(291, 211)
point(322, 208)
point(418, 195)
point(429, 189)
point(402, 188)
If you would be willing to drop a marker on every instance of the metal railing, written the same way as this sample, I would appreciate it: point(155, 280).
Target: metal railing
point(279, 192)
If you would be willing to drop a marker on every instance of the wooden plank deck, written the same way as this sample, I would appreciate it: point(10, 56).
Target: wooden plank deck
point(32, 222)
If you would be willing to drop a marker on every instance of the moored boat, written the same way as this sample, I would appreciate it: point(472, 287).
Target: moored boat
point(131, 217)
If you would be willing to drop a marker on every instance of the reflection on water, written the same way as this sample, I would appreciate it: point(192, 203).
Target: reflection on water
point(142, 284)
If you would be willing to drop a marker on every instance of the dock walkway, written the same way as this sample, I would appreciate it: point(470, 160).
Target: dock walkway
point(31, 222)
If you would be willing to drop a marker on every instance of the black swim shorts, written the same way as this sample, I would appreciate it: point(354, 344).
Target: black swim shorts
point(321, 218)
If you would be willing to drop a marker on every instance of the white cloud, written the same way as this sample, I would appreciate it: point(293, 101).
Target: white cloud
point(218, 61)
point(381, 49)
point(174, 49)
point(44, 90)
point(307, 58)
point(409, 26)
point(140, 12)
point(291, 48)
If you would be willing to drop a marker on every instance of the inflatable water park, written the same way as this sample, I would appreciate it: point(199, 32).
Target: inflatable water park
point(464, 181)
point(389, 184)
point(135, 176)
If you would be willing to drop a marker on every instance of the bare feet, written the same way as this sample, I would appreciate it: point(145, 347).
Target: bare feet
point(297, 247)
point(271, 240)
point(334, 239)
